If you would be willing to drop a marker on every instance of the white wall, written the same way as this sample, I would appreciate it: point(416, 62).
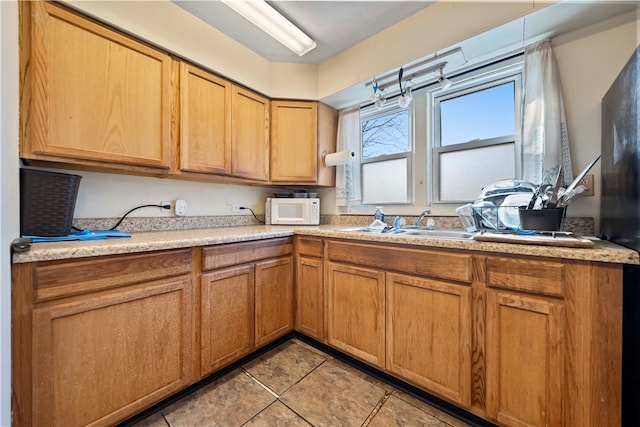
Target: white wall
point(435, 28)
point(9, 213)
point(104, 195)
point(589, 61)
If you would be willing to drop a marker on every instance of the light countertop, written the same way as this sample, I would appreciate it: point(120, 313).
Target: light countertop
point(162, 240)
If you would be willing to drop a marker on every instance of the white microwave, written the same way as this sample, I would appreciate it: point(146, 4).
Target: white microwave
point(292, 211)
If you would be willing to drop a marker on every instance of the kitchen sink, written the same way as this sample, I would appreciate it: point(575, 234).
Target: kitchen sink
point(415, 232)
point(439, 234)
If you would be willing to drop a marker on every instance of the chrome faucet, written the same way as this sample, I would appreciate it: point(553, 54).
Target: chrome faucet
point(421, 217)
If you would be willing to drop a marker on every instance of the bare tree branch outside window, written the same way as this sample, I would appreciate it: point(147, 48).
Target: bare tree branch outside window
point(385, 135)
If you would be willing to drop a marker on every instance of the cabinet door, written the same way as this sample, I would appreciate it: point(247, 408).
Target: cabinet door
point(250, 136)
point(96, 95)
point(102, 358)
point(294, 141)
point(309, 297)
point(356, 312)
point(524, 360)
point(226, 316)
point(205, 121)
point(429, 335)
point(274, 299)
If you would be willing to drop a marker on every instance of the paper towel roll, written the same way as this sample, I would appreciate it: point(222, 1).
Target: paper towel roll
point(339, 158)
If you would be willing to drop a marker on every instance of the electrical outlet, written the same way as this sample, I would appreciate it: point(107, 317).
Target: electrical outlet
point(166, 211)
point(180, 207)
point(587, 181)
point(237, 207)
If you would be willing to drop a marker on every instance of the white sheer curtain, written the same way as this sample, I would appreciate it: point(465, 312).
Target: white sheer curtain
point(348, 176)
point(545, 141)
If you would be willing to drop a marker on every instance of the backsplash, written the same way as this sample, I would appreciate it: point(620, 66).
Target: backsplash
point(582, 226)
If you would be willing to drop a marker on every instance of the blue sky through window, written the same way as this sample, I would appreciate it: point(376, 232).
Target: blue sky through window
point(485, 114)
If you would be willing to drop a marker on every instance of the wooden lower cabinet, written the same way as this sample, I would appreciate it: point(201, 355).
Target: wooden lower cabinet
point(96, 341)
point(227, 316)
point(274, 299)
point(356, 312)
point(246, 300)
point(310, 287)
point(429, 335)
point(309, 297)
point(517, 340)
point(524, 360)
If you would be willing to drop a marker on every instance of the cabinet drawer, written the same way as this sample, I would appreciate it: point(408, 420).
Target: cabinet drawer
point(59, 279)
point(310, 246)
point(422, 262)
point(540, 277)
point(214, 257)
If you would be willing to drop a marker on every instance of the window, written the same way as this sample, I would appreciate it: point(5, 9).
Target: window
point(475, 135)
point(448, 144)
point(386, 155)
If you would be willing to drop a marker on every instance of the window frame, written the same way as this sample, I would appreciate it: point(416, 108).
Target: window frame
point(508, 70)
point(370, 113)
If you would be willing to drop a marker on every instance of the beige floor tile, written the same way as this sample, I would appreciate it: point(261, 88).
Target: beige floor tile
point(313, 387)
point(309, 347)
point(229, 401)
point(154, 420)
point(420, 404)
point(332, 396)
point(284, 366)
point(361, 374)
point(396, 412)
point(277, 415)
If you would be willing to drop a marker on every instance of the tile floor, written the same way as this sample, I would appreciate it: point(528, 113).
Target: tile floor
point(298, 385)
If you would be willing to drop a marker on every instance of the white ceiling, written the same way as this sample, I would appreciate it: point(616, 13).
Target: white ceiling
point(334, 25)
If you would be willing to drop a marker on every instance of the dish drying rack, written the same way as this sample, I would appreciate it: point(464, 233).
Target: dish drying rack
point(488, 217)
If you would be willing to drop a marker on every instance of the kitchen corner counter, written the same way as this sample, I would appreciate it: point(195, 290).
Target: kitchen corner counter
point(150, 241)
point(161, 240)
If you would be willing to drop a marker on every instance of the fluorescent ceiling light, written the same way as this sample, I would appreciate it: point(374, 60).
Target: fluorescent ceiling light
point(273, 23)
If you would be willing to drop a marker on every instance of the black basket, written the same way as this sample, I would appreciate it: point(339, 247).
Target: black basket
point(47, 202)
point(542, 219)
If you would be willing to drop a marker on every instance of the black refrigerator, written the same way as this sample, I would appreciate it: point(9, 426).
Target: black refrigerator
point(620, 215)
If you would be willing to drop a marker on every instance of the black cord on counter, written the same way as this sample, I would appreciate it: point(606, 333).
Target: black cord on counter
point(254, 215)
point(136, 208)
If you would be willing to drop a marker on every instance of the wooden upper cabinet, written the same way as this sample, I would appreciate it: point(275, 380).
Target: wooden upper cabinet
point(250, 136)
point(91, 95)
point(205, 121)
point(301, 133)
point(294, 141)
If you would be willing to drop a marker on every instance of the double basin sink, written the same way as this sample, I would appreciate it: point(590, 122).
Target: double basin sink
point(414, 232)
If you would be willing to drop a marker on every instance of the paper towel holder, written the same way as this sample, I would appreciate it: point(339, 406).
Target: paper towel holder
point(338, 158)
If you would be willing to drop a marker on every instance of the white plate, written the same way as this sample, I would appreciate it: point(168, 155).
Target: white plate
point(508, 210)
